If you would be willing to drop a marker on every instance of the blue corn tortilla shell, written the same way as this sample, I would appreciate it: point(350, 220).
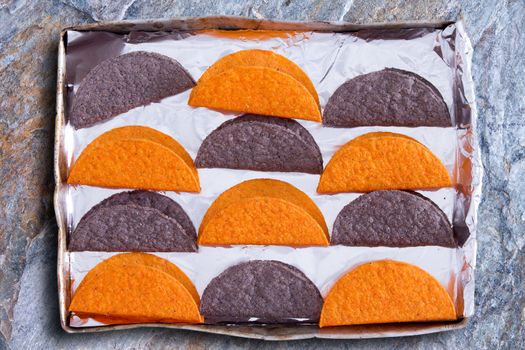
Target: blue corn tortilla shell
point(261, 291)
point(135, 221)
point(150, 199)
point(389, 97)
point(392, 219)
point(121, 83)
point(260, 143)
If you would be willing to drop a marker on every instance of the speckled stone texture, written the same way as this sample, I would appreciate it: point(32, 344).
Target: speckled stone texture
point(28, 44)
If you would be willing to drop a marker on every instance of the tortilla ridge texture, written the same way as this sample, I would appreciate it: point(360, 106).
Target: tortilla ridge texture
point(386, 291)
point(261, 143)
point(292, 125)
point(140, 132)
point(154, 200)
point(276, 199)
point(121, 83)
point(136, 292)
point(120, 228)
point(380, 161)
point(257, 90)
point(259, 221)
point(362, 101)
point(262, 58)
point(265, 188)
point(135, 157)
point(272, 291)
point(393, 219)
point(150, 260)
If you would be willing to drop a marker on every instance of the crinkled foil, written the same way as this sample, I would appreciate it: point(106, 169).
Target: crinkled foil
point(441, 54)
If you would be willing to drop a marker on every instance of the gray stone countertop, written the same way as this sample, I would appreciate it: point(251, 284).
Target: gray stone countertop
point(28, 47)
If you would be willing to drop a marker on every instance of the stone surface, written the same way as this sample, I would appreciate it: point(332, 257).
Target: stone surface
point(28, 41)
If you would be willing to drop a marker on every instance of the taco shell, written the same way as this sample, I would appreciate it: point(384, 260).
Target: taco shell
point(386, 292)
point(138, 288)
point(135, 157)
point(383, 161)
point(266, 212)
point(258, 90)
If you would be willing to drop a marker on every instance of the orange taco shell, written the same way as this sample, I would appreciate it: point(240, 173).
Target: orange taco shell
point(150, 260)
point(383, 161)
point(258, 90)
point(135, 288)
point(386, 292)
point(135, 157)
point(261, 58)
point(265, 212)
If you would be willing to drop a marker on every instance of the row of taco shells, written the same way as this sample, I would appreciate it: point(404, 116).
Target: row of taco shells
point(144, 158)
point(260, 82)
point(140, 287)
point(260, 212)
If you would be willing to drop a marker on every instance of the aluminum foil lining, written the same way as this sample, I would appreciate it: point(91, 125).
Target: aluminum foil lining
point(442, 56)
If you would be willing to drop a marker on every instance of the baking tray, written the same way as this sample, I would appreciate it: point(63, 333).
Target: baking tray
point(468, 180)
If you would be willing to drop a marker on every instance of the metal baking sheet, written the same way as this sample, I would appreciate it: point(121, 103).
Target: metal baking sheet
point(332, 54)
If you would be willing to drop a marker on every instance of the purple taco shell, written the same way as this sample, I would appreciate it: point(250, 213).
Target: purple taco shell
point(124, 82)
point(135, 221)
point(390, 97)
point(261, 143)
point(261, 291)
point(150, 199)
point(392, 219)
